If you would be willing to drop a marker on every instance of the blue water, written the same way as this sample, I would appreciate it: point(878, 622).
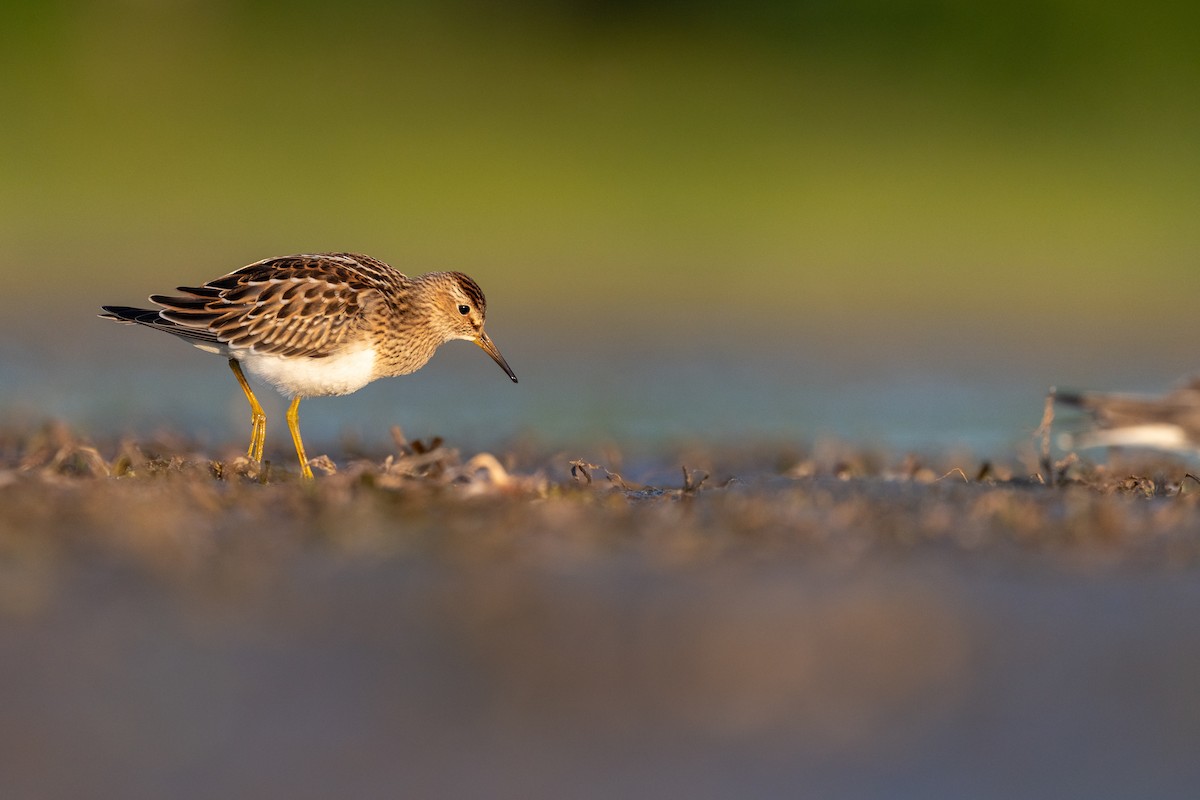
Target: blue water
point(640, 391)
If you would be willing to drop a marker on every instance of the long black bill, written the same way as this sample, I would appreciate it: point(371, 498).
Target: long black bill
point(490, 348)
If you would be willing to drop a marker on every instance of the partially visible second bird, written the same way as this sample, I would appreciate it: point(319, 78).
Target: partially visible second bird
point(1166, 422)
point(318, 325)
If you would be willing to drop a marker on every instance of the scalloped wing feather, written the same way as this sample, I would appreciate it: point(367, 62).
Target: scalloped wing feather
point(304, 305)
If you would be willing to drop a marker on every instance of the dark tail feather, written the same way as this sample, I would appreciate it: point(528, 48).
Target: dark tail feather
point(127, 314)
point(1068, 398)
point(152, 319)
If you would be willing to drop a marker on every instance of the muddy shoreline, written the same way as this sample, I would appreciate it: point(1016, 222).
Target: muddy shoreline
point(849, 622)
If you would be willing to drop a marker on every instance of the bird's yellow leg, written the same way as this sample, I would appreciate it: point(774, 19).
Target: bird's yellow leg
point(293, 420)
point(258, 417)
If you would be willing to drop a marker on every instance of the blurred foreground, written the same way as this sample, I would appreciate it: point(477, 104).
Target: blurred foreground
point(826, 622)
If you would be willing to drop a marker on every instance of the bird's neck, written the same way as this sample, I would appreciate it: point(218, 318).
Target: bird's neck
point(424, 296)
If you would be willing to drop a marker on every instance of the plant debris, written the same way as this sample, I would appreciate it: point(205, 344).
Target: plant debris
point(163, 502)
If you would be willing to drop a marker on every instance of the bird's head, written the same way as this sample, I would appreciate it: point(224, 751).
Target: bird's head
point(463, 308)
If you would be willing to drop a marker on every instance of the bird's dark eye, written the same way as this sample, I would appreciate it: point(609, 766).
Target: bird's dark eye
point(464, 310)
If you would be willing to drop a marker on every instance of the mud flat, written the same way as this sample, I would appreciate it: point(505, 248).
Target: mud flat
point(823, 621)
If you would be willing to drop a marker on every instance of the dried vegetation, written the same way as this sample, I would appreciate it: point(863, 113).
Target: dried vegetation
point(164, 506)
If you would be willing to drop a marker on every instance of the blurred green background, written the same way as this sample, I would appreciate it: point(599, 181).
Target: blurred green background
point(858, 177)
point(797, 159)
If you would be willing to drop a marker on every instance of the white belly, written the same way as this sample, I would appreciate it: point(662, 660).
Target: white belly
point(313, 377)
point(1156, 435)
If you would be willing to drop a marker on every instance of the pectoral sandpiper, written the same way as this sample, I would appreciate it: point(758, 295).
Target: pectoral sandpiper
point(317, 325)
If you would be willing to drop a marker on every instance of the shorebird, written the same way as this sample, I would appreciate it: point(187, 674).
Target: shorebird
point(1162, 422)
point(319, 325)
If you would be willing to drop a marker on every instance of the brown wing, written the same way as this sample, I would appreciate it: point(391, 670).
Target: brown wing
point(305, 305)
